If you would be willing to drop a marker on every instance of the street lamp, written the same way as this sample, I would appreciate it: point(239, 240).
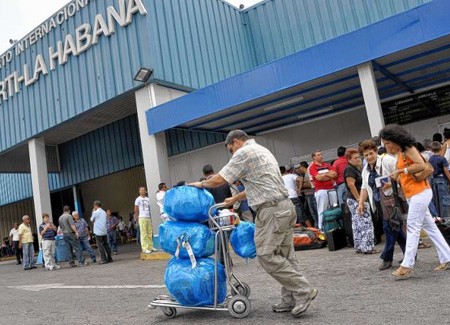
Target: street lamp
point(143, 74)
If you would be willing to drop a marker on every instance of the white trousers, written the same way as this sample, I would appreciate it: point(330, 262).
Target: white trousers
point(323, 203)
point(48, 251)
point(419, 217)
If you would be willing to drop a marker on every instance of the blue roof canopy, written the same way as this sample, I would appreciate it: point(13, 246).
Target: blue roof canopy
point(410, 29)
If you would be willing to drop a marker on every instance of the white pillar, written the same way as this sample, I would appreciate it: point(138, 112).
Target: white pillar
point(154, 150)
point(39, 179)
point(371, 97)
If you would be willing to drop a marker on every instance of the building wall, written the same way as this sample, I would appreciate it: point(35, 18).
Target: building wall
point(327, 134)
point(12, 213)
point(189, 42)
point(282, 27)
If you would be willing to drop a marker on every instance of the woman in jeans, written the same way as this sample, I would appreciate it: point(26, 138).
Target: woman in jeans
point(409, 161)
point(362, 225)
point(379, 166)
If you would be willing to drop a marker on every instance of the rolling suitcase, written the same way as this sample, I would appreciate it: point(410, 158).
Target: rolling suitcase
point(336, 239)
point(332, 217)
point(347, 218)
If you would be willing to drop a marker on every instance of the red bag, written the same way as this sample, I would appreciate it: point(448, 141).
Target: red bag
point(308, 238)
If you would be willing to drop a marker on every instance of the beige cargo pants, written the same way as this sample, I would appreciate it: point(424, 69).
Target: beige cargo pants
point(275, 250)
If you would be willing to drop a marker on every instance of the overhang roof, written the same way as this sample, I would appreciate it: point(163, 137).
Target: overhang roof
point(409, 51)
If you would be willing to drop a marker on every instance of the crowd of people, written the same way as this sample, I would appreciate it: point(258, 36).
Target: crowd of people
point(390, 184)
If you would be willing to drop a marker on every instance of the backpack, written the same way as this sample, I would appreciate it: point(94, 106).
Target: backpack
point(308, 238)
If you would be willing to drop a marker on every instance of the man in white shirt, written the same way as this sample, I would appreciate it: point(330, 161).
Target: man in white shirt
point(292, 182)
point(14, 234)
point(101, 231)
point(162, 188)
point(142, 211)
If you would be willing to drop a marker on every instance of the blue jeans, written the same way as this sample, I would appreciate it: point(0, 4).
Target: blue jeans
point(73, 244)
point(341, 191)
point(28, 255)
point(391, 238)
point(441, 196)
point(85, 246)
point(112, 241)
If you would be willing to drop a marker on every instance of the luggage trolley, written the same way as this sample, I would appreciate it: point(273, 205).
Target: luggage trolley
point(237, 302)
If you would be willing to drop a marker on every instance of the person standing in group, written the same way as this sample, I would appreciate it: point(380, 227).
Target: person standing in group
point(362, 226)
point(48, 232)
point(142, 211)
point(339, 166)
point(100, 231)
point(111, 225)
point(292, 183)
point(323, 177)
point(378, 166)
point(440, 181)
point(26, 243)
point(83, 235)
point(162, 189)
point(14, 235)
point(418, 193)
point(275, 219)
point(70, 236)
point(307, 189)
point(220, 193)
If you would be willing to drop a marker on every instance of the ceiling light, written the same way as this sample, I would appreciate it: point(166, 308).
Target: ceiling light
point(284, 103)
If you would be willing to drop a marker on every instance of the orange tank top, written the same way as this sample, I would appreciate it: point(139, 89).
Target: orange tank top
point(409, 185)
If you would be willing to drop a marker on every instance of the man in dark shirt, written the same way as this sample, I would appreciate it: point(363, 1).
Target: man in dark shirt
point(219, 193)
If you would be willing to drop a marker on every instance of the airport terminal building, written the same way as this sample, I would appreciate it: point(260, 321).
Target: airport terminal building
point(79, 122)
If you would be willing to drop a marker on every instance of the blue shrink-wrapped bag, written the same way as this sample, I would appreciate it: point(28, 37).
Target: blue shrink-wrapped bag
point(242, 240)
point(199, 236)
point(195, 286)
point(188, 203)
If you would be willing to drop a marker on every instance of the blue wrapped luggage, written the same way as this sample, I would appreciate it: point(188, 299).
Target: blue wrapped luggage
point(200, 238)
point(195, 286)
point(187, 203)
point(242, 240)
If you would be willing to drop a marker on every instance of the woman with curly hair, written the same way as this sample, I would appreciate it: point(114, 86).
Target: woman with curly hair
point(418, 193)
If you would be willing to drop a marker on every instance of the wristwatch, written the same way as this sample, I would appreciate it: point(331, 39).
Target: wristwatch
point(405, 170)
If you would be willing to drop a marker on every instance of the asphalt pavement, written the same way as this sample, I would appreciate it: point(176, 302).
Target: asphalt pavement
point(351, 291)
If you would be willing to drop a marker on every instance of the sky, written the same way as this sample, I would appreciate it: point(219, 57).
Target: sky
point(19, 17)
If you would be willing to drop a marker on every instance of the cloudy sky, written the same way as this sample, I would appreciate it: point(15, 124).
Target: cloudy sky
point(19, 17)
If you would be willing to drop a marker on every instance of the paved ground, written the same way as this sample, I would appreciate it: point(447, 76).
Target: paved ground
point(351, 291)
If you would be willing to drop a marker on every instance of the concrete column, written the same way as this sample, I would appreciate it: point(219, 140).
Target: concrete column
point(76, 201)
point(154, 150)
point(371, 97)
point(39, 179)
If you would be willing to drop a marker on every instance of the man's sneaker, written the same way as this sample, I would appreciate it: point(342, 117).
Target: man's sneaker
point(94, 260)
point(56, 266)
point(115, 253)
point(301, 308)
point(82, 264)
point(283, 307)
point(72, 264)
point(146, 251)
point(154, 250)
point(49, 268)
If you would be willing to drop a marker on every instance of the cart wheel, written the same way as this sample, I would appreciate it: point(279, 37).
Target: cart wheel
point(239, 306)
point(243, 290)
point(170, 312)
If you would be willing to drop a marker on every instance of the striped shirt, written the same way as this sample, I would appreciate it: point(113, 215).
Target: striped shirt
point(258, 170)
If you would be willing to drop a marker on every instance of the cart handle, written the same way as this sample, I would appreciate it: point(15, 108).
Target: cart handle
point(215, 206)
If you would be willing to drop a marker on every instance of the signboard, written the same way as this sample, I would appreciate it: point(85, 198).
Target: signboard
point(418, 107)
point(82, 39)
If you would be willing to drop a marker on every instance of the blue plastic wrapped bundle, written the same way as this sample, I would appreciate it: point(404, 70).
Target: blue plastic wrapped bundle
point(195, 286)
point(187, 203)
point(243, 240)
point(200, 237)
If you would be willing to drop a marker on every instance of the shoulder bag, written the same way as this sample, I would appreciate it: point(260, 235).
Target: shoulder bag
point(422, 175)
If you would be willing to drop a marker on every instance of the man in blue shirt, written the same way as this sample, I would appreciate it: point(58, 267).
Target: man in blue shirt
point(100, 231)
point(48, 232)
point(83, 235)
point(440, 181)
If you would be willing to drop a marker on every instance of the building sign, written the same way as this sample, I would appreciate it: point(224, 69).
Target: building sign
point(418, 107)
point(84, 37)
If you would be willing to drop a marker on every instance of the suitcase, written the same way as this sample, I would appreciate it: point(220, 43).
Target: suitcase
point(332, 217)
point(336, 239)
